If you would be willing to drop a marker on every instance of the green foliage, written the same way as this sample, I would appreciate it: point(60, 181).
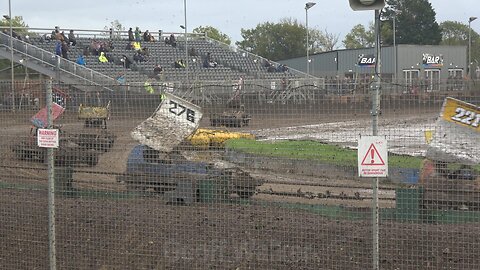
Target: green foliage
point(17, 21)
point(284, 40)
point(415, 22)
point(275, 41)
point(359, 37)
point(310, 150)
point(213, 33)
point(456, 33)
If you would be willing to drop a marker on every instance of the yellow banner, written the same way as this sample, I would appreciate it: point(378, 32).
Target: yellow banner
point(461, 113)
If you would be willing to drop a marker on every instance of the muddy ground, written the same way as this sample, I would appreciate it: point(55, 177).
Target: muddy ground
point(111, 230)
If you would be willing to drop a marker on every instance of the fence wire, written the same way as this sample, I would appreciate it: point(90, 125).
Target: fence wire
point(267, 180)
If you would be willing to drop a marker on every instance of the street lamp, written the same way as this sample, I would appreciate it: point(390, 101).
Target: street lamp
point(395, 47)
point(186, 39)
point(308, 5)
point(9, 18)
point(470, 20)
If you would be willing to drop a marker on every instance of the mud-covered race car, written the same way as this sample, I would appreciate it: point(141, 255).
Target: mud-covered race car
point(68, 152)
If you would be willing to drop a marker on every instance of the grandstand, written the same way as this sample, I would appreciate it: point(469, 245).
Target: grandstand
point(38, 53)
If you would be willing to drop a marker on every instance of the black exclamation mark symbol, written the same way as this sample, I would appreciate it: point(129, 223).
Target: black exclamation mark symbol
point(372, 153)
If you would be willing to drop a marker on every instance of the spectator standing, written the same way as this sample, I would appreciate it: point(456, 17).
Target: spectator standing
point(71, 38)
point(58, 48)
point(137, 34)
point(172, 40)
point(65, 50)
point(130, 35)
point(59, 36)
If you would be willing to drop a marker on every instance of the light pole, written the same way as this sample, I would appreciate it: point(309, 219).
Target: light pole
point(470, 20)
point(308, 5)
point(9, 18)
point(186, 39)
point(395, 48)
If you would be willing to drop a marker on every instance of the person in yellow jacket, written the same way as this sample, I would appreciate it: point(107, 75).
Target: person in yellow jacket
point(102, 58)
point(148, 87)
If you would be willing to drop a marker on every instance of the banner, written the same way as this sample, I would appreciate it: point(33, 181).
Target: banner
point(431, 61)
point(366, 60)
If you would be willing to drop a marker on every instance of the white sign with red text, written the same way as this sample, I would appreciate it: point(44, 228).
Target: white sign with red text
point(372, 156)
point(47, 138)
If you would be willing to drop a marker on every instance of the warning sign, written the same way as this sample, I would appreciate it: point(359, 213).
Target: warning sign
point(47, 138)
point(372, 156)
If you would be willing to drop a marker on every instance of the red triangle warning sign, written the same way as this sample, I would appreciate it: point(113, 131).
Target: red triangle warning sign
point(372, 157)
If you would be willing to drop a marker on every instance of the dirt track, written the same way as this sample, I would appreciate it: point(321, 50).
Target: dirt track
point(105, 231)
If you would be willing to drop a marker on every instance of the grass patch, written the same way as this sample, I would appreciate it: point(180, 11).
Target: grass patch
point(315, 151)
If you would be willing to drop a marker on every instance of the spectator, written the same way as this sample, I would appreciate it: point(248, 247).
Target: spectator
point(81, 60)
point(267, 64)
point(138, 57)
point(58, 48)
point(130, 35)
point(65, 50)
point(282, 68)
point(173, 41)
point(157, 71)
point(46, 37)
point(126, 61)
point(59, 36)
point(137, 34)
point(148, 87)
point(208, 61)
point(102, 58)
point(71, 38)
point(136, 46)
point(148, 37)
point(180, 63)
point(64, 38)
point(144, 51)
point(192, 52)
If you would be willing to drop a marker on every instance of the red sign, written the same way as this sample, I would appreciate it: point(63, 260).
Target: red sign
point(40, 118)
point(372, 157)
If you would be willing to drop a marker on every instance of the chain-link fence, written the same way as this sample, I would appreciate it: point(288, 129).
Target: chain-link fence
point(223, 175)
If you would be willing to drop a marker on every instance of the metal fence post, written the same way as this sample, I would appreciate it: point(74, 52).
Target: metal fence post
point(375, 112)
point(51, 185)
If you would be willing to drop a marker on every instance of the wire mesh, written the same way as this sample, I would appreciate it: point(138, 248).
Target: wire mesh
point(267, 180)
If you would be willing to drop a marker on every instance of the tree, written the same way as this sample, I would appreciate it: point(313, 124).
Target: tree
point(117, 28)
point(323, 41)
point(359, 37)
point(456, 33)
point(284, 40)
point(213, 33)
point(415, 22)
point(17, 21)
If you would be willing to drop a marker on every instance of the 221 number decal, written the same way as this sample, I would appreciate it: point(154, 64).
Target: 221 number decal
point(466, 117)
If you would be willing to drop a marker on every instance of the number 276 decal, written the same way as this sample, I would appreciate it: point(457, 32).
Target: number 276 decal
point(466, 117)
point(179, 110)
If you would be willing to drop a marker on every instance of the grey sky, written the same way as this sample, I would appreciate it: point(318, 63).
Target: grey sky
point(228, 16)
